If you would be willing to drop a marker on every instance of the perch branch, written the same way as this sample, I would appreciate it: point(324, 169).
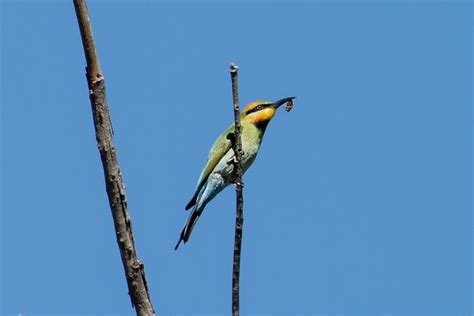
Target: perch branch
point(134, 268)
point(239, 219)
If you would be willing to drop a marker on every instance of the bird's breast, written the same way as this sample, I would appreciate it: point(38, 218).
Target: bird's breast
point(251, 140)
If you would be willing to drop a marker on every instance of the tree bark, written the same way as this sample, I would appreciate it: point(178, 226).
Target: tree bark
point(239, 218)
point(134, 268)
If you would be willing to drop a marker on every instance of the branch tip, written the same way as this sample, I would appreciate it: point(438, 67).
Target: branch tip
point(233, 68)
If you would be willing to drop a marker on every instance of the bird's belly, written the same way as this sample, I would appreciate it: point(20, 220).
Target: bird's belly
point(226, 166)
point(250, 153)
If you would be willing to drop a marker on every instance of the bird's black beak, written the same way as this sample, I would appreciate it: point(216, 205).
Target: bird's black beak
point(278, 103)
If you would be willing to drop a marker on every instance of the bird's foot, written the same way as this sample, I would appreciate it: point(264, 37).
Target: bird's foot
point(233, 159)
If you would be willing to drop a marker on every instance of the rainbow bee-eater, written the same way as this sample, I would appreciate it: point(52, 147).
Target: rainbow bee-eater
point(219, 171)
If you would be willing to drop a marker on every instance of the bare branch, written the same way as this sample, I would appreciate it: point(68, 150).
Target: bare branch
point(239, 219)
point(134, 268)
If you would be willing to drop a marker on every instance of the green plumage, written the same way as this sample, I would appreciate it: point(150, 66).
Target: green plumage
point(219, 170)
point(251, 139)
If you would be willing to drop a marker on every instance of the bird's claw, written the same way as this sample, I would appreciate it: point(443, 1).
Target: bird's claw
point(233, 159)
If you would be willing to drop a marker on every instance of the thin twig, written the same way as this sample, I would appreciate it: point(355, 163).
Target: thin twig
point(134, 268)
point(239, 219)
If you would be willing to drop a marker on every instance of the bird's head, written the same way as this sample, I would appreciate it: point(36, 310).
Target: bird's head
point(261, 112)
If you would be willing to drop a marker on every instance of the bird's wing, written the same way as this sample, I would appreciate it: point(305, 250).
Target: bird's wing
point(219, 149)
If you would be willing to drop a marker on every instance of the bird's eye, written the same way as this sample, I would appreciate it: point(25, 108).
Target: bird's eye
point(259, 107)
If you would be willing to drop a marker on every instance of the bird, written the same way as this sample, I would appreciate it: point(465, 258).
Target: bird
point(219, 169)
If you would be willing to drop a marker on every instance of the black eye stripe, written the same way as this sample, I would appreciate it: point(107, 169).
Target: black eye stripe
point(258, 108)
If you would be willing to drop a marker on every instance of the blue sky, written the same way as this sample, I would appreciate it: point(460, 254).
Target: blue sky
point(360, 202)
